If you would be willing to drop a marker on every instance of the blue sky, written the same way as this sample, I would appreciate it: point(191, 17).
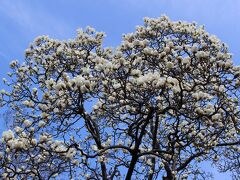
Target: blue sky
point(22, 20)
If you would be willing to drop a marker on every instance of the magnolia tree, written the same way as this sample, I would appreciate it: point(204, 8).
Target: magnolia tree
point(155, 107)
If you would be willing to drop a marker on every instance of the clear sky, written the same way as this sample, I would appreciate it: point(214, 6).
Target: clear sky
point(22, 20)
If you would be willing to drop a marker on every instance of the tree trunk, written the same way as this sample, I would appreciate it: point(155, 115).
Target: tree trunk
point(131, 168)
point(104, 171)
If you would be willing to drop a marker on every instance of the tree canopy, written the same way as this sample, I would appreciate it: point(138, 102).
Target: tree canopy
point(159, 104)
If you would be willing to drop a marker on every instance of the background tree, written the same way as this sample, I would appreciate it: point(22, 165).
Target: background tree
point(155, 107)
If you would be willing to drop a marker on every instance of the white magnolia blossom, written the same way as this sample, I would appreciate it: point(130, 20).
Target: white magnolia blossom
point(41, 124)
point(169, 65)
point(7, 135)
point(27, 123)
point(28, 103)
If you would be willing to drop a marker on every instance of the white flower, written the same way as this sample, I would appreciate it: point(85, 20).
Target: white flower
point(27, 51)
point(17, 144)
point(90, 29)
point(43, 138)
point(2, 91)
point(176, 89)
point(34, 141)
point(13, 63)
point(100, 159)
point(27, 123)
point(201, 54)
point(111, 98)
point(167, 49)
point(28, 103)
point(7, 150)
point(35, 91)
point(75, 162)
point(161, 81)
point(221, 88)
point(85, 70)
point(108, 142)
point(50, 83)
point(4, 175)
point(169, 65)
point(186, 60)
point(219, 55)
point(55, 175)
point(147, 50)
point(149, 162)
point(18, 129)
point(216, 116)
point(71, 152)
point(41, 124)
point(228, 64)
point(135, 72)
point(194, 48)
point(7, 135)
point(44, 115)
point(195, 96)
point(94, 147)
point(59, 50)
point(87, 175)
point(56, 110)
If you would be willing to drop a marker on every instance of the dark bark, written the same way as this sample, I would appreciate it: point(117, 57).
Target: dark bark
point(131, 167)
point(137, 144)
